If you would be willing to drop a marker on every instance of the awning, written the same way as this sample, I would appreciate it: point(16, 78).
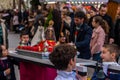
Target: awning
point(118, 1)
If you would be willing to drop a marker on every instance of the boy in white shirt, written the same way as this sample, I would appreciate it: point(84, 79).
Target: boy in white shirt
point(64, 59)
point(109, 56)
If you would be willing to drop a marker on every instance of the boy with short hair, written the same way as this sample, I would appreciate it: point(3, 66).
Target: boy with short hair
point(110, 54)
point(24, 39)
point(64, 59)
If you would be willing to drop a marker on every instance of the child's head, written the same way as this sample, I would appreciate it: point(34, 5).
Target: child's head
point(3, 51)
point(24, 37)
point(62, 38)
point(63, 57)
point(110, 53)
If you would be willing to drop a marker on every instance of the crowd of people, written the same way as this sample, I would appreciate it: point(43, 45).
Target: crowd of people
point(96, 37)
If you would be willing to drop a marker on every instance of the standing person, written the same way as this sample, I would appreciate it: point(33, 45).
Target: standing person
point(108, 19)
point(15, 22)
point(117, 28)
point(6, 67)
point(81, 35)
point(3, 33)
point(98, 38)
point(64, 59)
point(60, 25)
point(93, 12)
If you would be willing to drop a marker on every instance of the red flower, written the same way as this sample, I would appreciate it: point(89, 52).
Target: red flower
point(76, 33)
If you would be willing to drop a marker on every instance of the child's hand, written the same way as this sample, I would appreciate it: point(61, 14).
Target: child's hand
point(7, 71)
point(79, 77)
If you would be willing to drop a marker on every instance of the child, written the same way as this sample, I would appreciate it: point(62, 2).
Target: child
point(24, 39)
point(6, 68)
point(62, 39)
point(109, 55)
point(64, 59)
point(98, 38)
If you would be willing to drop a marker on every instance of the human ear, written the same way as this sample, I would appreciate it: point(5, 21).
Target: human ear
point(113, 55)
point(71, 62)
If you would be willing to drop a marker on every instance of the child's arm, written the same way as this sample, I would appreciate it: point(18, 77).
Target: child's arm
point(4, 73)
point(7, 72)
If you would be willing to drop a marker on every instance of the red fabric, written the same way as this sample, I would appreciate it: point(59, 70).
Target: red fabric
point(29, 71)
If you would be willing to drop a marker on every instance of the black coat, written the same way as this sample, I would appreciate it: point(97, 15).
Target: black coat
point(117, 32)
point(5, 65)
point(83, 40)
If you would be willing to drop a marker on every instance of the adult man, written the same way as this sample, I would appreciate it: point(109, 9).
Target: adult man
point(117, 28)
point(108, 19)
point(81, 35)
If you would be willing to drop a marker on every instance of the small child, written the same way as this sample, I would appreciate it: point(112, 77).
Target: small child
point(6, 67)
point(109, 55)
point(24, 39)
point(64, 59)
point(62, 39)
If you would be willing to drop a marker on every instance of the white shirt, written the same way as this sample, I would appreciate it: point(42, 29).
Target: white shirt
point(107, 64)
point(63, 75)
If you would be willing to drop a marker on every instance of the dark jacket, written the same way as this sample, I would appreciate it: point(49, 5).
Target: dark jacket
point(5, 64)
point(58, 28)
point(117, 32)
point(111, 76)
point(83, 40)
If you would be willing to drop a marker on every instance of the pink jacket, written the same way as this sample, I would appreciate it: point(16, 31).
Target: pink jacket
point(97, 40)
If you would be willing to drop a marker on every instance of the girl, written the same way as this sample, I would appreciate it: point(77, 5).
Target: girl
point(6, 68)
point(98, 38)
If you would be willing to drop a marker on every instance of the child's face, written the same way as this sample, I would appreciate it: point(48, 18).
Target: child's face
point(25, 38)
point(4, 51)
point(106, 55)
point(62, 39)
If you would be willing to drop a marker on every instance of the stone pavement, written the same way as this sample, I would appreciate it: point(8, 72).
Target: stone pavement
point(13, 43)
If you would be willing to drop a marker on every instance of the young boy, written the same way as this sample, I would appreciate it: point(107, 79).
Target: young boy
point(64, 59)
point(24, 39)
point(109, 55)
point(6, 67)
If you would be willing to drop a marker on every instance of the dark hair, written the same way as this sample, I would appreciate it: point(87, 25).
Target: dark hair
point(24, 33)
point(81, 14)
point(0, 50)
point(102, 22)
point(93, 8)
point(113, 48)
point(102, 5)
point(61, 56)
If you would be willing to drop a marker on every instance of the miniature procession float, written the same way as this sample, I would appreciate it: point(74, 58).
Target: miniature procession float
point(42, 43)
